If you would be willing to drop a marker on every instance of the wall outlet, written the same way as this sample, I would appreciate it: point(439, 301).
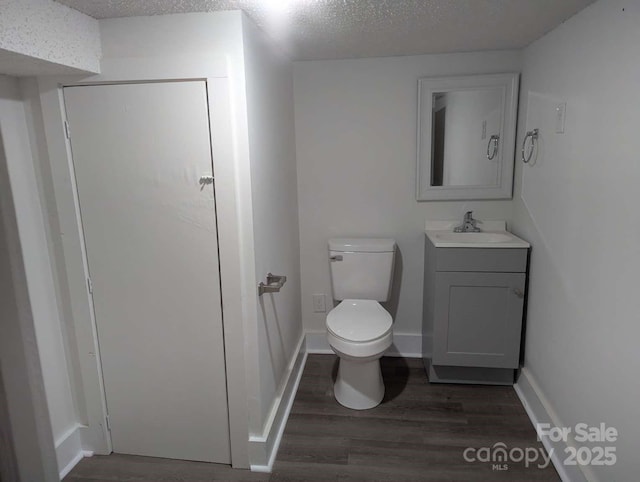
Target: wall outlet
point(319, 305)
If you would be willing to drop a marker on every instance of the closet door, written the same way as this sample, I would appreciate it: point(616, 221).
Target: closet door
point(139, 152)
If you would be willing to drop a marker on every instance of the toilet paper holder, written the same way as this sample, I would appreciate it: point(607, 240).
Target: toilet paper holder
point(274, 284)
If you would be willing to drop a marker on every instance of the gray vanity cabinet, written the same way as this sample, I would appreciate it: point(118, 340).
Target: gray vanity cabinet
point(473, 309)
point(478, 319)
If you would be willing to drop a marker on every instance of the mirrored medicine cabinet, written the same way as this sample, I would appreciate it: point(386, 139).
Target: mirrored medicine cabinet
point(466, 137)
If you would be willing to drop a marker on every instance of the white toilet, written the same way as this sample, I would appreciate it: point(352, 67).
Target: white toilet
point(359, 328)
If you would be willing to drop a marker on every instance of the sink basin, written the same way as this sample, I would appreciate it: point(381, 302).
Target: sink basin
point(499, 238)
point(493, 235)
point(474, 238)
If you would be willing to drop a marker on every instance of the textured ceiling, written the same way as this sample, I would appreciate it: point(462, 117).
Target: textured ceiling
point(329, 29)
point(18, 65)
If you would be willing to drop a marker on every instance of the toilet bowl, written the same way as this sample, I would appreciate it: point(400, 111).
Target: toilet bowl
point(359, 332)
point(359, 329)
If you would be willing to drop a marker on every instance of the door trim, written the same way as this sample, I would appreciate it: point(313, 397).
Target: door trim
point(233, 230)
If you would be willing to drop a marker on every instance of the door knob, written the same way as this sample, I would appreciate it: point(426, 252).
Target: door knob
point(518, 292)
point(204, 180)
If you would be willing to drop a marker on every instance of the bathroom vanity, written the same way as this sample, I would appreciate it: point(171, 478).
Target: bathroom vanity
point(474, 290)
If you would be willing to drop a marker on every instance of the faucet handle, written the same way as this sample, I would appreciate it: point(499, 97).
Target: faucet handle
point(468, 224)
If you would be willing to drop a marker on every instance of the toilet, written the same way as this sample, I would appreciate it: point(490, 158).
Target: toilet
point(359, 329)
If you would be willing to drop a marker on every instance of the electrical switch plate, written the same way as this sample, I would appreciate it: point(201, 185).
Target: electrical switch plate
point(561, 112)
point(319, 304)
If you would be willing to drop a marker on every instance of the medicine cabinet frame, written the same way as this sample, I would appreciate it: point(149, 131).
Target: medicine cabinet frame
point(508, 84)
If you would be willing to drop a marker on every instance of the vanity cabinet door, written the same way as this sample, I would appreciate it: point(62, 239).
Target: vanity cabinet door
point(478, 319)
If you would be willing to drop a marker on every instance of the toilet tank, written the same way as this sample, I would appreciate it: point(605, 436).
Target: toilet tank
point(362, 268)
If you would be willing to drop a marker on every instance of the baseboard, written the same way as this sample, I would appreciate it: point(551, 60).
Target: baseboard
point(539, 411)
point(317, 343)
point(407, 345)
point(69, 450)
point(264, 448)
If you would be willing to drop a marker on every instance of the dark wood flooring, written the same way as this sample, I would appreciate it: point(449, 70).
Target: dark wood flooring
point(418, 433)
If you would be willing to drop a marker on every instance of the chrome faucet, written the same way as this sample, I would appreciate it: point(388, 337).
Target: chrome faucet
point(469, 225)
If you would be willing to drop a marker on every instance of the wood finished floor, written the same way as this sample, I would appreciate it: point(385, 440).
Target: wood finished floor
point(418, 433)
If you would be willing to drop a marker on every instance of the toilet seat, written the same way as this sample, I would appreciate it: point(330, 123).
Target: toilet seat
point(359, 328)
point(359, 321)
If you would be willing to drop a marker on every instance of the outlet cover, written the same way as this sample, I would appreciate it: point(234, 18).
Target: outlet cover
point(319, 305)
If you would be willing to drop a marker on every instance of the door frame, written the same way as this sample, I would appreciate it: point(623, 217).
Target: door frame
point(236, 284)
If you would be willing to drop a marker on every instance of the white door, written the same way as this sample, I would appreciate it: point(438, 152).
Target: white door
point(149, 224)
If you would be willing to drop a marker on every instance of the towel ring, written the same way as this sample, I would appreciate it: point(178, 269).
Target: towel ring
point(534, 138)
point(493, 140)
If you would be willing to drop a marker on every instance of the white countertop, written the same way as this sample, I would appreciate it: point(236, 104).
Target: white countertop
point(493, 235)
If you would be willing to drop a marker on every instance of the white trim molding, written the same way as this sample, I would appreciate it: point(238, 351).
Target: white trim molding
point(406, 345)
point(69, 450)
point(263, 448)
point(73, 462)
point(539, 411)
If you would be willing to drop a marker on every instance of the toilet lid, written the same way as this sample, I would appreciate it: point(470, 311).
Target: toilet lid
point(359, 320)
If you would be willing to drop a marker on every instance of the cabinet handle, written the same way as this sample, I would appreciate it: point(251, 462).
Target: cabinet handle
point(518, 292)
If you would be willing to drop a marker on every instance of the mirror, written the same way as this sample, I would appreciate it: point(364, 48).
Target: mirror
point(466, 137)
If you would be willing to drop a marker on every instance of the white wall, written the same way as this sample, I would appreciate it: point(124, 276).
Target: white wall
point(578, 207)
point(43, 175)
point(43, 36)
point(26, 440)
point(356, 151)
point(39, 276)
point(269, 84)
